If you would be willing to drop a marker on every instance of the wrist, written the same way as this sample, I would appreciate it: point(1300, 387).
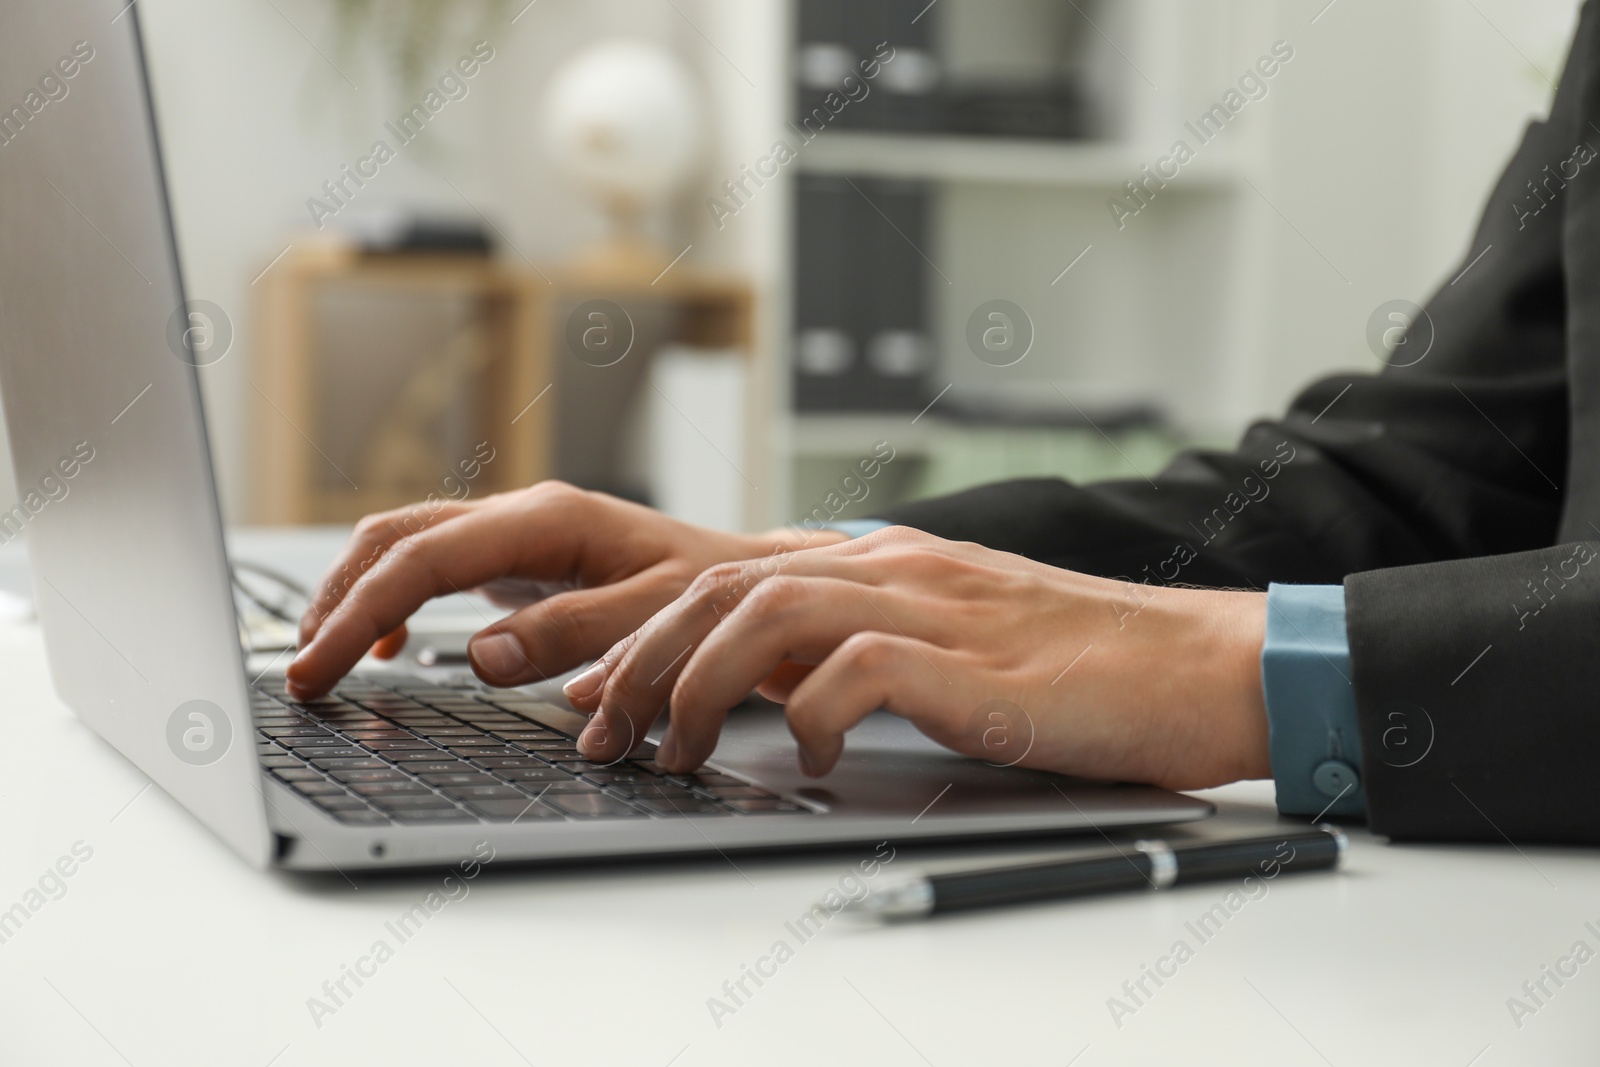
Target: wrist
point(1214, 708)
point(1240, 629)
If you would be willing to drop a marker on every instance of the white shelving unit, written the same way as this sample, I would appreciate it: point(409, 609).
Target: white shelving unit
point(997, 161)
point(1157, 310)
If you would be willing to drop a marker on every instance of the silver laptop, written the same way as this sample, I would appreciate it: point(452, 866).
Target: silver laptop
point(102, 397)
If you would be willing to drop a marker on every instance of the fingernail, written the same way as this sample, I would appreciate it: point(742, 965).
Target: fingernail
point(808, 765)
point(593, 735)
point(667, 750)
point(498, 655)
point(586, 684)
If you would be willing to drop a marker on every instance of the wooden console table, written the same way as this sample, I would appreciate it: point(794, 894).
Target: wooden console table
point(514, 353)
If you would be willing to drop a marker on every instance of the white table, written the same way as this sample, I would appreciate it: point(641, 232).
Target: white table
point(164, 949)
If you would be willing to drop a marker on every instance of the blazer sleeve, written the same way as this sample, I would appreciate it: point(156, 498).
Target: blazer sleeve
point(1475, 678)
point(1475, 689)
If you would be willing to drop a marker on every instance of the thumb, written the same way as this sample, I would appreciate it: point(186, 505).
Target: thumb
point(568, 629)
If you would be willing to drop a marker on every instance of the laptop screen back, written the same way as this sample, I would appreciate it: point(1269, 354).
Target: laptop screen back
point(100, 385)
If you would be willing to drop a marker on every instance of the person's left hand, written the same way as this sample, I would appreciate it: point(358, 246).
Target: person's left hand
point(988, 653)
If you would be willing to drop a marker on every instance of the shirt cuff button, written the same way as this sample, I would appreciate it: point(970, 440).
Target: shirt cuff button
point(1334, 777)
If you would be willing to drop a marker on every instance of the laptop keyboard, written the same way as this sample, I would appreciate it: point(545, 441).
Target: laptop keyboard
point(409, 751)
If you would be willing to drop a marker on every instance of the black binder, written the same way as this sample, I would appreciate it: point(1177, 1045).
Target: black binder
point(862, 340)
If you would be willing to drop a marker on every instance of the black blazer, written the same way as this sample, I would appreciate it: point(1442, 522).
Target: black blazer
point(1457, 499)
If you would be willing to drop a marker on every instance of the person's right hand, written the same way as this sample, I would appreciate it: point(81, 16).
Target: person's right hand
point(590, 567)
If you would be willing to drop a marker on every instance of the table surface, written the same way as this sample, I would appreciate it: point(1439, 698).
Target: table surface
point(162, 948)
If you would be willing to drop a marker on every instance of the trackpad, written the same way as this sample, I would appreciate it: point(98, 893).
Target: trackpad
point(888, 768)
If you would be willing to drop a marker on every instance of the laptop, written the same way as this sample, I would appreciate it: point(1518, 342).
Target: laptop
point(101, 386)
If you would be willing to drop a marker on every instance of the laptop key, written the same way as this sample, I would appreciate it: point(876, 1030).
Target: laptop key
point(362, 817)
point(410, 745)
point(322, 740)
point(497, 752)
point(336, 765)
point(300, 773)
point(383, 774)
point(521, 810)
point(709, 778)
point(620, 774)
point(418, 755)
point(653, 792)
point(511, 763)
point(424, 768)
point(318, 755)
point(402, 787)
point(433, 816)
point(484, 792)
point(412, 802)
point(468, 778)
point(534, 774)
point(670, 808)
point(321, 787)
point(592, 806)
point(765, 806)
point(733, 792)
point(378, 735)
point(355, 720)
point(280, 761)
point(571, 785)
point(512, 702)
point(340, 802)
point(579, 766)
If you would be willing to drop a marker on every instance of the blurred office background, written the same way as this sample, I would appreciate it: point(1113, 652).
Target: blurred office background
point(767, 335)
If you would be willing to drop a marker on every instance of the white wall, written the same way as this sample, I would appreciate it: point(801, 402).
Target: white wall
point(1380, 143)
point(1383, 141)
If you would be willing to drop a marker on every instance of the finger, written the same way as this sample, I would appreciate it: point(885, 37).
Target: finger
point(638, 682)
point(372, 537)
point(787, 619)
point(530, 536)
point(913, 679)
point(780, 683)
point(563, 631)
point(638, 673)
point(391, 644)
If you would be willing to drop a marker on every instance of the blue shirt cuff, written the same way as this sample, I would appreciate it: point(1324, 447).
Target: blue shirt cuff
point(1311, 705)
point(853, 528)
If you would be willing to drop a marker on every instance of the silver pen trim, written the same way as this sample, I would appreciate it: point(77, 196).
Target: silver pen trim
point(908, 900)
point(1163, 863)
point(1339, 840)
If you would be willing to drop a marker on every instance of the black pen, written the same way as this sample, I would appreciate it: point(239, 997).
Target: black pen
point(1142, 865)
